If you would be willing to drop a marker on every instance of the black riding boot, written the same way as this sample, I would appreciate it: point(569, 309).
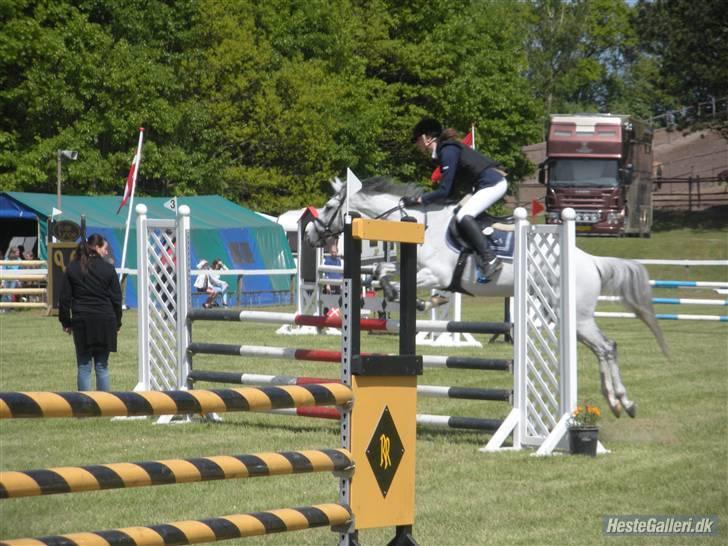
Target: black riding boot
point(486, 259)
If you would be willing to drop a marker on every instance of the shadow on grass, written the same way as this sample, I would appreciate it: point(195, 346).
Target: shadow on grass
point(711, 218)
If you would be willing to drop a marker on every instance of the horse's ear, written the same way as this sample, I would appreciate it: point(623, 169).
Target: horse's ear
point(337, 184)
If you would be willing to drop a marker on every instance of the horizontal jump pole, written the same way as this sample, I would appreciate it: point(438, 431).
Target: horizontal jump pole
point(23, 305)
point(433, 391)
point(664, 316)
point(19, 275)
point(721, 263)
point(14, 405)
point(51, 481)
point(688, 284)
point(446, 421)
point(674, 301)
point(340, 268)
point(23, 263)
point(24, 291)
point(321, 355)
point(206, 530)
point(335, 322)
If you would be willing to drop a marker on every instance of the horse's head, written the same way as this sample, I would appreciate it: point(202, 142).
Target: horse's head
point(330, 220)
point(379, 197)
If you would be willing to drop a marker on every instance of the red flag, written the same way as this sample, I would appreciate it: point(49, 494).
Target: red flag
point(133, 171)
point(468, 141)
point(536, 207)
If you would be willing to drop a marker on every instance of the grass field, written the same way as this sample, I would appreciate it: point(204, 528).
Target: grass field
point(672, 459)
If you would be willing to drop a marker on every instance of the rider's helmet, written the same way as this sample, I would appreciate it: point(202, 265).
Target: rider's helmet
point(426, 126)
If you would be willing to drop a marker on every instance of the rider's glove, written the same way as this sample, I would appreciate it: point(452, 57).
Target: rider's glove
point(408, 201)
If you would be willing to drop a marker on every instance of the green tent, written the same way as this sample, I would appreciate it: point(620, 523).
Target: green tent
point(242, 238)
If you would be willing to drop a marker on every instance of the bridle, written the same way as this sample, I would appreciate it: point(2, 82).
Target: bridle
point(324, 229)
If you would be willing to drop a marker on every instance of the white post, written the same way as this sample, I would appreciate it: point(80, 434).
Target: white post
point(568, 313)
point(517, 418)
point(183, 295)
point(520, 266)
point(142, 298)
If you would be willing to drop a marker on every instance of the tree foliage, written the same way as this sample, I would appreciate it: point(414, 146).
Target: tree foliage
point(264, 102)
point(689, 40)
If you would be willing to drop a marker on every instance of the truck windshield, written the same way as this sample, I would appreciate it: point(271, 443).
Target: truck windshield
point(583, 172)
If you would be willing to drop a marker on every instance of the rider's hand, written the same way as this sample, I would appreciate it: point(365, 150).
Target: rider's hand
point(408, 201)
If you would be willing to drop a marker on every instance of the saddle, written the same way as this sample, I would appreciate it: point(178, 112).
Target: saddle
point(498, 230)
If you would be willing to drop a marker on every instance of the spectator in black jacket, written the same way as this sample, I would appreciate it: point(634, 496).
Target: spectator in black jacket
point(89, 307)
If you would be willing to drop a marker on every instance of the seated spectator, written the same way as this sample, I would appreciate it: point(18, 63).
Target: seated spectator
point(208, 281)
point(219, 286)
point(13, 254)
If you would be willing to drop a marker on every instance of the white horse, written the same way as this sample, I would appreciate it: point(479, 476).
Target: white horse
point(380, 197)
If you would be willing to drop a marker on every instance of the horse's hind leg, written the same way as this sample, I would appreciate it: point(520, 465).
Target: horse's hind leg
point(619, 389)
point(606, 352)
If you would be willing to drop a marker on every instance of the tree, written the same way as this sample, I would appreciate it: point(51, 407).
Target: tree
point(262, 102)
point(579, 52)
point(689, 40)
point(86, 76)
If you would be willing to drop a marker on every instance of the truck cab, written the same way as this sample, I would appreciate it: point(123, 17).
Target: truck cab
point(600, 165)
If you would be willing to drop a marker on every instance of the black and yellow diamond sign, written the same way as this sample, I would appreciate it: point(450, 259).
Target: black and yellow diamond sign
point(385, 451)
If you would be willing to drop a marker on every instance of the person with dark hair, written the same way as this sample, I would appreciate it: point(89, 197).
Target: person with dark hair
point(463, 170)
point(332, 258)
point(89, 308)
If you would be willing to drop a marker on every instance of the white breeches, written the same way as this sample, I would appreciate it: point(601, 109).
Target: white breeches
point(482, 199)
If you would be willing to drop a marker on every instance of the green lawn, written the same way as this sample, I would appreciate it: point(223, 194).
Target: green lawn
point(670, 460)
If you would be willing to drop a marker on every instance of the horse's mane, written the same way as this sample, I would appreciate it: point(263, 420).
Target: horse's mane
point(387, 184)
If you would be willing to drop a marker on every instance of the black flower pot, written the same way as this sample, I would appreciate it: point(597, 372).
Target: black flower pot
point(583, 440)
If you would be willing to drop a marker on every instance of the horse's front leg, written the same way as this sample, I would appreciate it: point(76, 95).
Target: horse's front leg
point(427, 279)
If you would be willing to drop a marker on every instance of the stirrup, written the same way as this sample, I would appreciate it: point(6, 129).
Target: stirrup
point(488, 268)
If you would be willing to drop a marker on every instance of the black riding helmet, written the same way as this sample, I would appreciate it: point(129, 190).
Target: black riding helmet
point(426, 126)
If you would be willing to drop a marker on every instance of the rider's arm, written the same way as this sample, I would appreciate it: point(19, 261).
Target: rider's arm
point(449, 157)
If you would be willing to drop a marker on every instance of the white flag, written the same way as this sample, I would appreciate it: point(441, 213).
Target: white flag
point(171, 204)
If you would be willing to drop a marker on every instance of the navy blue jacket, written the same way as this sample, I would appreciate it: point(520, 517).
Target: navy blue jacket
point(463, 170)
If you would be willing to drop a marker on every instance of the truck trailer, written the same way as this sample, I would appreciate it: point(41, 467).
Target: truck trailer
point(601, 166)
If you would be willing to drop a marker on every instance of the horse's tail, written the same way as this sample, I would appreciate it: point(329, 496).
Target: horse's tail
point(629, 280)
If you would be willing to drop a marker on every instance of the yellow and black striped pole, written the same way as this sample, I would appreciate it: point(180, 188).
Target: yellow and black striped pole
point(14, 405)
point(50, 481)
point(207, 530)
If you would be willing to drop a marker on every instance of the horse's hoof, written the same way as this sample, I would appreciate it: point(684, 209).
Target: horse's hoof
point(438, 300)
point(631, 409)
point(616, 410)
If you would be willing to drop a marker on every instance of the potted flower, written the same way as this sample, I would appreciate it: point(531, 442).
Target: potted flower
point(583, 430)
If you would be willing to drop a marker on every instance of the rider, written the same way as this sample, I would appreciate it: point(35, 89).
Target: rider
point(463, 169)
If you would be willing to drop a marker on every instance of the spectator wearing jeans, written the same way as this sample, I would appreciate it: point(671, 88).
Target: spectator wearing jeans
point(89, 308)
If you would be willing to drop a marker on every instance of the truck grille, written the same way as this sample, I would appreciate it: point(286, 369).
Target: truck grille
point(585, 201)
